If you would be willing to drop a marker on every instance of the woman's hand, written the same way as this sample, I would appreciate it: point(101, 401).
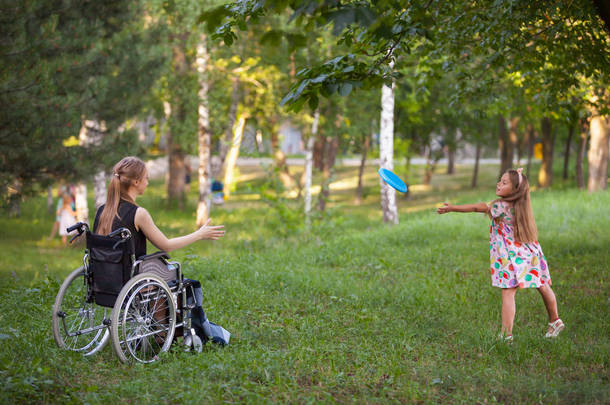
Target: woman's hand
point(211, 232)
point(444, 209)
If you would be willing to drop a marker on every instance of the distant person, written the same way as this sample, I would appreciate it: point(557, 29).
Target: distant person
point(516, 257)
point(187, 177)
point(60, 203)
point(217, 188)
point(67, 215)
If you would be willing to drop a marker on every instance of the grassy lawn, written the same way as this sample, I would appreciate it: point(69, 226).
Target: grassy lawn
point(348, 311)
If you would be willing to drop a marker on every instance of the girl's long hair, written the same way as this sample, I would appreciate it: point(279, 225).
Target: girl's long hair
point(124, 173)
point(525, 226)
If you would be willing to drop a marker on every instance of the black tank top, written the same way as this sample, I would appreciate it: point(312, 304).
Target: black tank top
point(126, 218)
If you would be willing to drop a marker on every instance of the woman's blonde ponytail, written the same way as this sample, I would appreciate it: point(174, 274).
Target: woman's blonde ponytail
point(124, 173)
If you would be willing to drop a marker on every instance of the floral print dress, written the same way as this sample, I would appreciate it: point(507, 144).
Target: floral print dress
point(513, 264)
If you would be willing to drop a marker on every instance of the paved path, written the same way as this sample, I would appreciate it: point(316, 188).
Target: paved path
point(158, 167)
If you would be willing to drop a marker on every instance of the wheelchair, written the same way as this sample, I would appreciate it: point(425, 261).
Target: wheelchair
point(140, 304)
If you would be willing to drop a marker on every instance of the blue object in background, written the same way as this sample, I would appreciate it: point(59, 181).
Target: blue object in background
point(393, 180)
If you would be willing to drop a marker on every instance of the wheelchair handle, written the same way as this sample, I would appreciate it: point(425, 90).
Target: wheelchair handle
point(124, 232)
point(125, 236)
point(80, 227)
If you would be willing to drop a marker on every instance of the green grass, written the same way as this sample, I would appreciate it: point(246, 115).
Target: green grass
point(350, 311)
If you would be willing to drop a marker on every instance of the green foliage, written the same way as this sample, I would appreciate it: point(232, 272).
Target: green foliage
point(63, 63)
point(287, 216)
point(352, 312)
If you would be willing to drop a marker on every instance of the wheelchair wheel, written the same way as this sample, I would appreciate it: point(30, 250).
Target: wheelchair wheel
point(143, 319)
point(78, 324)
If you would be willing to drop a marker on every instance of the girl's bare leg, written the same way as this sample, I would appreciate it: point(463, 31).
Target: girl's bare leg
point(54, 230)
point(548, 296)
point(508, 310)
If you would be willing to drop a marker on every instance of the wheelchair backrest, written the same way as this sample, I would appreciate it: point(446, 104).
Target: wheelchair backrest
point(110, 264)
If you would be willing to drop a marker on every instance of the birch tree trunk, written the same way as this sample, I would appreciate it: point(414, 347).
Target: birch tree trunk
point(309, 166)
point(598, 153)
point(545, 175)
point(386, 153)
point(91, 133)
point(279, 158)
point(230, 132)
point(204, 137)
point(99, 189)
point(231, 159)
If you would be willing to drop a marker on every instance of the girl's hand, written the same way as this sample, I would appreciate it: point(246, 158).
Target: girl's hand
point(445, 208)
point(211, 232)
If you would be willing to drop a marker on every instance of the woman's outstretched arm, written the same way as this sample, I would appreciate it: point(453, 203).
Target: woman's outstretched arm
point(479, 207)
point(144, 222)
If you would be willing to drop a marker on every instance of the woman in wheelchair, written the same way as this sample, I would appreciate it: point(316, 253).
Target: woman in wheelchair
point(129, 180)
point(150, 299)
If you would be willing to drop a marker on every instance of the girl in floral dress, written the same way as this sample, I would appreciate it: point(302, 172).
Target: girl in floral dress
point(516, 258)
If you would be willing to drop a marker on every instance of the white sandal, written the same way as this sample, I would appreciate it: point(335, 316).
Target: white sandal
point(505, 338)
point(556, 327)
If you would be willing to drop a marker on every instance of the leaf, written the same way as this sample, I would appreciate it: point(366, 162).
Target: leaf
point(345, 89)
point(332, 88)
point(287, 98)
point(313, 102)
point(319, 79)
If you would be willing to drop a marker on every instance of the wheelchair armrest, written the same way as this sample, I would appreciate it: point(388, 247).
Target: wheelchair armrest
point(156, 255)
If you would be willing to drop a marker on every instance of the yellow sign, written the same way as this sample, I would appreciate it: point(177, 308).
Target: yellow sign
point(538, 151)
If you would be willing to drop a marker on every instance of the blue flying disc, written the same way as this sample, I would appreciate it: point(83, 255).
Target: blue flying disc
point(393, 180)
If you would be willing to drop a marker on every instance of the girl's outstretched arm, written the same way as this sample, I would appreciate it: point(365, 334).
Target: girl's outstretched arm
point(480, 207)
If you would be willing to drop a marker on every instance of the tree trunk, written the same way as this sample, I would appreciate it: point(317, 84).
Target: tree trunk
point(279, 159)
point(386, 154)
point(531, 140)
point(177, 170)
point(330, 153)
point(365, 150)
point(513, 140)
point(545, 176)
point(451, 142)
point(231, 159)
point(475, 173)
point(598, 153)
point(99, 189)
point(229, 133)
point(50, 205)
point(504, 143)
point(430, 166)
point(204, 136)
point(309, 164)
point(91, 133)
point(566, 154)
point(318, 152)
point(15, 199)
point(450, 161)
point(176, 173)
point(582, 150)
